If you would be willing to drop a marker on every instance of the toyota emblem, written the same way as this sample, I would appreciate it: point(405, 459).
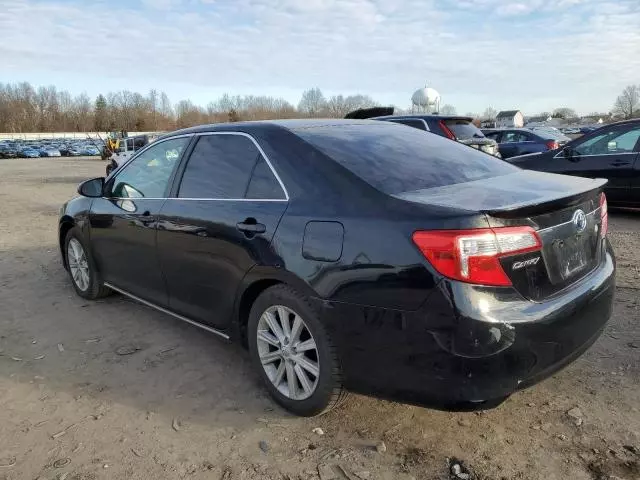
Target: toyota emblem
point(579, 221)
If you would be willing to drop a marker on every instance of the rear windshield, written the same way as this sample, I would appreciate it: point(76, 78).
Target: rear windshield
point(463, 129)
point(396, 159)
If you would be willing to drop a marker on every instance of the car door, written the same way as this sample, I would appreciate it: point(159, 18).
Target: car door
point(608, 153)
point(123, 222)
point(218, 224)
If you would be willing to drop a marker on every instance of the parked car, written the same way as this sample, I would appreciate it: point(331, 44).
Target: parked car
point(67, 150)
point(520, 141)
point(353, 255)
point(90, 150)
point(610, 152)
point(49, 152)
point(453, 127)
point(7, 151)
point(30, 153)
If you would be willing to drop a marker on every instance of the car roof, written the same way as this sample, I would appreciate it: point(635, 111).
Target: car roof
point(263, 125)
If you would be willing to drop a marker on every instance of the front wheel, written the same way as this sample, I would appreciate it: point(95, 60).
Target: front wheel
point(82, 270)
point(293, 353)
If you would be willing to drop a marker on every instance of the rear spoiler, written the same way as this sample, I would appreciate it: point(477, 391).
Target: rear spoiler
point(517, 194)
point(364, 113)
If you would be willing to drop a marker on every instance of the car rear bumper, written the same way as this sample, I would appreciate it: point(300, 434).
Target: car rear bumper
point(461, 351)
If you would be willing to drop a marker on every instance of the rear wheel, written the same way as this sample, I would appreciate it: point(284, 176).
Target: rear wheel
point(82, 270)
point(293, 353)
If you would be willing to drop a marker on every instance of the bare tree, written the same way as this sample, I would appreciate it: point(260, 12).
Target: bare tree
point(153, 102)
point(338, 105)
point(23, 109)
point(564, 113)
point(490, 113)
point(627, 104)
point(312, 102)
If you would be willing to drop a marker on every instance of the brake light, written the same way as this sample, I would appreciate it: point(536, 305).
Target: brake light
point(447, 131)
point(604, 215)
point(552, 144)
point(473, 256)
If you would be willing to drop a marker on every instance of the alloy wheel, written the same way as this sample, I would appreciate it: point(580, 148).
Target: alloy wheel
point(288, 352)
point(78, 265)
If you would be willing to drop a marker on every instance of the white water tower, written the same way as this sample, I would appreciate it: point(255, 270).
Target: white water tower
point(426, 100)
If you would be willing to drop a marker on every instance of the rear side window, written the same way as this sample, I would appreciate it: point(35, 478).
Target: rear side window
point(508, 137)
point(228, 167)
point(395, 159)
point(263, 184)
point(463, 129)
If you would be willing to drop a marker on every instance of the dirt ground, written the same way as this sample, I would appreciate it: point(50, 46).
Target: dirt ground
point(115, 390)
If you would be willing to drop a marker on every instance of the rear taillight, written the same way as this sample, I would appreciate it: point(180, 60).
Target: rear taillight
point(473, 256)
point(447, 131)
point(604, 215)
point(552, 144)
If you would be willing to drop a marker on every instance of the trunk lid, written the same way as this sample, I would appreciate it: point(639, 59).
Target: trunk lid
point(563, 210)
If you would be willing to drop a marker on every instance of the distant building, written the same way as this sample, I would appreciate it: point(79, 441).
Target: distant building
point(510, 119)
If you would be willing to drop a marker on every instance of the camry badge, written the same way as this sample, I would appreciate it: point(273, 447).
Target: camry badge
point(526, 263)
point(579, 221)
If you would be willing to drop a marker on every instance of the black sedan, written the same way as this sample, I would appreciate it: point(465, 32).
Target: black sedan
point(611, 152)
point(353, 255)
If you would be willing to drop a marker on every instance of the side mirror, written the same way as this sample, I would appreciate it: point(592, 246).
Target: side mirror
point(92, 188)
point(567, 152)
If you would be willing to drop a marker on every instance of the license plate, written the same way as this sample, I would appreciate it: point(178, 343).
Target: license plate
point(572, 253)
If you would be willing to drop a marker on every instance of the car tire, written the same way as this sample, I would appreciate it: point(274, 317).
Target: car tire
point(85, 277)
point(328, 391)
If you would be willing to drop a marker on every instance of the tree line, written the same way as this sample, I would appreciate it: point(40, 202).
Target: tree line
point(24, 108)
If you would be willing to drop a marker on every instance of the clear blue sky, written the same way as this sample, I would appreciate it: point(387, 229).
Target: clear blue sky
point(529, 54)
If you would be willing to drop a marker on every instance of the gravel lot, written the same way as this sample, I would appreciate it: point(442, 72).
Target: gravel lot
point(114, 390)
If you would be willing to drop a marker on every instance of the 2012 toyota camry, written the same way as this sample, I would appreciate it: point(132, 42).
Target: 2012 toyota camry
point(353, 255)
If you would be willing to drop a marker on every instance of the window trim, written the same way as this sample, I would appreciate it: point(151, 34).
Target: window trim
point(264, 155)
point(140, 152)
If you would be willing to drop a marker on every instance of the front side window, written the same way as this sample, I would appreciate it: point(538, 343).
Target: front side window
point(147, 175)
point(609, 141)
point(225, 166)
